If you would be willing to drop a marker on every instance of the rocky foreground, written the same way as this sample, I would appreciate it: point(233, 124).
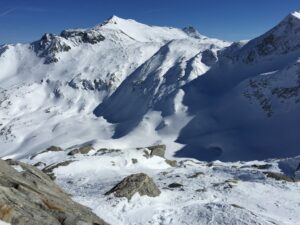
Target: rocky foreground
point(140, 186)
point(29, 197)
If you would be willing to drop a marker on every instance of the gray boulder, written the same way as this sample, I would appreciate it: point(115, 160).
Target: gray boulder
point(82, 150)
point(28, 196)
point(135, 183)
point(172, 163)
point(158, 150)
point(54, 149)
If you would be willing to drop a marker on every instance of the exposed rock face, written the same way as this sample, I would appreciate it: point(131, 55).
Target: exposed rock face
point(49, 169)
point(135, 183)
point(209, 57)
point(50, 149)
point(28, 196)
point(172, 163)
point(158, 150)
point(262, 167)
point(53, 149)
point(48, 46)
point(175, 185)
point(82, 150)
point(192, 32)
point(91, 36)
point(279, 176)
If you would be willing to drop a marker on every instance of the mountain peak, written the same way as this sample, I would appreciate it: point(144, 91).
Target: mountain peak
point(192, 32)
point(114, 19)
point(296, 14)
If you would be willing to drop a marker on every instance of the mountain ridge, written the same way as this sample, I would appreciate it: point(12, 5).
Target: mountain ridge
point(120, 80)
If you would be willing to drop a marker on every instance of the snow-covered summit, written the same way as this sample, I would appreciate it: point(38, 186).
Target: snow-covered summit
point(191, 31)
point(296, 14)
point(71, 73)
point(283, 39)
point(142, 32)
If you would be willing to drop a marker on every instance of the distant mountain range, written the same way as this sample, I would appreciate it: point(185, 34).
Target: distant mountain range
point(127, 84)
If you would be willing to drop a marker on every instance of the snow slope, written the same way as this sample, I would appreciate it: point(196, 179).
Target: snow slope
point(246, 107)
point(50, 88)
point(217, 193)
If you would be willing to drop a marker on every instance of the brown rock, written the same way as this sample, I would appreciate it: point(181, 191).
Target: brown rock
point(135, 183)
point(31, 197)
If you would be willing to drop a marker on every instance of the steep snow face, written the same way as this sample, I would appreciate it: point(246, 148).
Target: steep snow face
point(257, 119)
point(155, 85)
point(50, 87)
point(282, 40)
point(246, 107)
point(247, 94)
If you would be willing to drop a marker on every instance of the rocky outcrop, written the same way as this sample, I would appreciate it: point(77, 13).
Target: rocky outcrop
point(84, 36)
point(279, 176)
point(82, 150)
point(175, 185)
point(48, 47)
point(49, 169)
point(50, 149)
point(172, 163)
point(209, 57)
point(262, 167)
point(28, 196)
point(135, 183)
point(158, 150)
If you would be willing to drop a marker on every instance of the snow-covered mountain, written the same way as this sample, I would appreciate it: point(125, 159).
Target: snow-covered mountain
point(246, 106)
point(50, 87)
point(101, 96)
point(123, 83)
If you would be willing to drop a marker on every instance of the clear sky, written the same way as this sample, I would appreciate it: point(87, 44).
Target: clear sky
point(27, 20)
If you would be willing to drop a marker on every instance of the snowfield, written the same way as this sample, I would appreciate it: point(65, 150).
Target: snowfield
point(211, 193)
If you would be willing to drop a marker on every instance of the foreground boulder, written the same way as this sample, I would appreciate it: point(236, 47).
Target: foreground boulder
point(28, 196)
point(135, 183)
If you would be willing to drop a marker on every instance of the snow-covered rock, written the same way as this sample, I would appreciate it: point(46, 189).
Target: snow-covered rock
point(194, 192)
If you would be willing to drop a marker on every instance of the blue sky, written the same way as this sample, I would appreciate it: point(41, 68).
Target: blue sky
point(27, 20)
